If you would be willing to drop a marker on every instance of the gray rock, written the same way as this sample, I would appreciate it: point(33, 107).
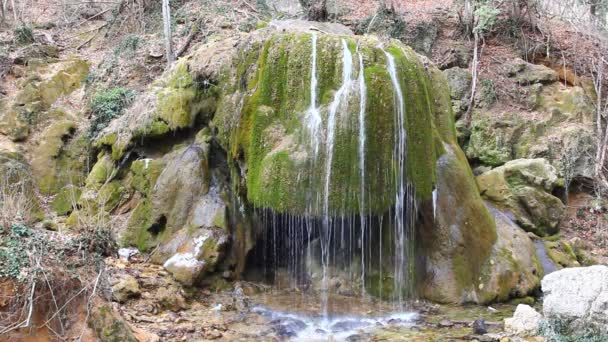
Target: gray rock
point(526, 73)
point(459, 80)
point(480, 327)
point(576, 301)
point(525, 321)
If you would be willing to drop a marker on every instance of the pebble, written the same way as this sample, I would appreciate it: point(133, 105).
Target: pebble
point(446, 324)
point(480, 327)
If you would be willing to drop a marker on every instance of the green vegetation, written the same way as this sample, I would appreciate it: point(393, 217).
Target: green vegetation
point(486, 14)
point(487, 91)
point(107, 105)
point(23, 35)
point(128, 46)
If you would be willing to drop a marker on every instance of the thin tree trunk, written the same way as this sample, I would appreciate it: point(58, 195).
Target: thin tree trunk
point(474, 71)
point(167, 30)
point(14, 11)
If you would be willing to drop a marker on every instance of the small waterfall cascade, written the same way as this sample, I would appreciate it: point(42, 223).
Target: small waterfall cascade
point(325, 248)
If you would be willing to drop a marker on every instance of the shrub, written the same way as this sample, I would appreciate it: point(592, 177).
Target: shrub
point(107, 105)
point(488, 93)
point(486, 14)
point(23, 35)
point(128, 45)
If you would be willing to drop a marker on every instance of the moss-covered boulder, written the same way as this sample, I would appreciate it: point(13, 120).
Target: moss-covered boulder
point(561, 253)
point(66, 200)
point(524, 188)
point(108, 325)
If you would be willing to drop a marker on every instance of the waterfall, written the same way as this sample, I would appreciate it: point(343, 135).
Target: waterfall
point(340, 98)
point(313, 118)
point(404, 198)
point(362, 104)
point(328, 242)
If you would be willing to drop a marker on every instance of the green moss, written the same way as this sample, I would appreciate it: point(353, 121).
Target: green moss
point(219, 220)
point(140, 221)
point(419, 110)
point(175, 106)
point(66, 200)
point(144, 173)
point(101, 172)
point(45, 155)
point(561, 253)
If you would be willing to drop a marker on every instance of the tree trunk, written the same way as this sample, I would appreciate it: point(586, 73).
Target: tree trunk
point(468, 16)
point(167, 31)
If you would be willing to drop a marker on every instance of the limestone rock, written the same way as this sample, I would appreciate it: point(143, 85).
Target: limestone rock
point(459, 80)
point(560, 130)
point(576, 301)
point(197, 255)
point(126, 287)
point(525, 321)
point(523, 187)
point(109, 326)
point(182, 181)
point(526, 73)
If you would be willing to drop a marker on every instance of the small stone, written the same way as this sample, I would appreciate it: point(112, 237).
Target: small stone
point(446, 323)
point(126, 253)
point(480, 327)
point(213, 335)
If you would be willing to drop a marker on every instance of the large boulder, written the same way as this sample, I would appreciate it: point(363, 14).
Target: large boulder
point(576, 302)
point(524, 188)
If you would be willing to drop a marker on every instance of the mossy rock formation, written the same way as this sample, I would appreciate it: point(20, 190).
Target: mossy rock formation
point(252, 95)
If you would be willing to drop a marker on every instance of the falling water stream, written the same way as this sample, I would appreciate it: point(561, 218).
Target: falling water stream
point(362, 104)
point(341, 98)
point(404, 197)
